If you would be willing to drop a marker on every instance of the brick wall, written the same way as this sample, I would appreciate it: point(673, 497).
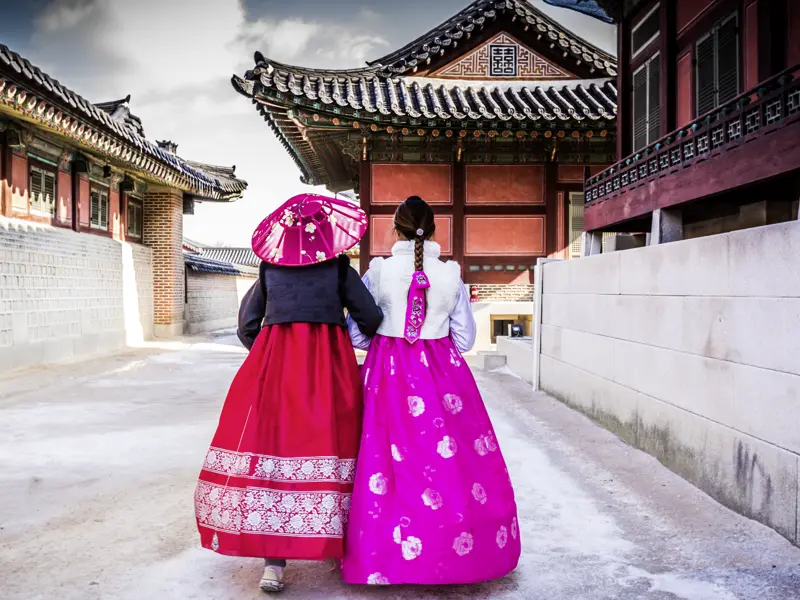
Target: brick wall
point(213, 300)
point(65, 295)
point(163, 232)
point(500, 292)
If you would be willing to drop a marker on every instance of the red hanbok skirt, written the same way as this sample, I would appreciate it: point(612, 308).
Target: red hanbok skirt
point(277, 479)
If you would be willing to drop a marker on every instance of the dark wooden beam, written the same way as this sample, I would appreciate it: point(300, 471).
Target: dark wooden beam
point(459, 183)
point(365, 195)
point(772, 42)
point(551, 201)
point(668, 57)
point(763, 158)
point(624, 100)
point(5, 169)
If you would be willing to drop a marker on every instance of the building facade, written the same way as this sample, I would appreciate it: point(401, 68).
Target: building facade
point(91, 222)
point(494, 117)
point(709, 115)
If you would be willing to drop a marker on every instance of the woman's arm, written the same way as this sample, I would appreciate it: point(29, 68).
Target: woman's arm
point(462, 322)
point(252, 311)
point(361, 305)
point(363, 315)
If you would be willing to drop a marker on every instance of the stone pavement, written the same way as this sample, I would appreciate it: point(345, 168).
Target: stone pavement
point(98, 462)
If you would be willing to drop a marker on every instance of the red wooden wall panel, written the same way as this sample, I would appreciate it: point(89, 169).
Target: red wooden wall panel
point(115, 210)
point(504, 235)
point(382, 237)
point(84, 209)
point(64, 194)
point(19, 183)
point(570, 173)
point(505, 184)
point(683, 80)
point(393, 183)
point(688, 10)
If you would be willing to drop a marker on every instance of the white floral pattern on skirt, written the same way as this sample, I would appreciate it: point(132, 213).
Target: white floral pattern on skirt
point(310, 469)
point(264, 511)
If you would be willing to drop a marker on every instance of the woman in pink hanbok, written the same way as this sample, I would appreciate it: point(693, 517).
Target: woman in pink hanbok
point(432, 502)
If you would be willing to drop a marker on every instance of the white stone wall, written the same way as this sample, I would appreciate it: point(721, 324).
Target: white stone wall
point(66, 296)
point(213, 300)
point(690, 351)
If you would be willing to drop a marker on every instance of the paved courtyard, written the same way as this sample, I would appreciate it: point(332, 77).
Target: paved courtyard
point(98, 462)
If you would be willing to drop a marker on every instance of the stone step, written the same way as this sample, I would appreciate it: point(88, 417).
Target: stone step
point(487, 360)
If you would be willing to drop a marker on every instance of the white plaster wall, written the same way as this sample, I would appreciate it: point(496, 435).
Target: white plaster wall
point(65, 295)
point(213, 300)
point(690, 351)
point(519, 356)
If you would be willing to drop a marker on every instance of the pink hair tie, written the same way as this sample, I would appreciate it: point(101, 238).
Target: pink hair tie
point(415, 309)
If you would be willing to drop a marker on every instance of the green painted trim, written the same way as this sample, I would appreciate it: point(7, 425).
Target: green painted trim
point(40, 158)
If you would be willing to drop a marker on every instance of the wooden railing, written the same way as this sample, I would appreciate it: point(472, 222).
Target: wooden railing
point(773, 104)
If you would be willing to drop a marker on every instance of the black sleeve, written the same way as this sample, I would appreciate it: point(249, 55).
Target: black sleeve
point(360, 304)
point(252, 311)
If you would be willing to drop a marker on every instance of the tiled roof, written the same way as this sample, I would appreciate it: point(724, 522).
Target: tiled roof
point(201, 264)
point(236, 256)
point(446, 37)
point(587, 7)
point(120, 111)
point(107, 128)
point(431, 98)
point(410, 98)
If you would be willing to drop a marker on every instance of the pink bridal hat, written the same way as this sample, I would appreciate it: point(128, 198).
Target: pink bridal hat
point(309, 229)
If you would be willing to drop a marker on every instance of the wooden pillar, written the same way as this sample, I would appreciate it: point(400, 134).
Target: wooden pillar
point(624, 99)
point(365, 195)
point(80, 194)
point(772, 37)
point(561, 226)
point(792, 27)
point(5, 187)
point(551, 203)
point(459, 183)
point(749, 41)
point(668, 57)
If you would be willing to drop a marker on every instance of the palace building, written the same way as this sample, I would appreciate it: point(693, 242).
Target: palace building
point(494, 117)
point(91, 222)
point(709, 118)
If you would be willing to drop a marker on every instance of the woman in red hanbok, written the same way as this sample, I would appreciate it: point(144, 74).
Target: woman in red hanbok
point(277, 479)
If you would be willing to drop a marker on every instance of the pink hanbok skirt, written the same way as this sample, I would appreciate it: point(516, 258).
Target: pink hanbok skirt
point(432, 502)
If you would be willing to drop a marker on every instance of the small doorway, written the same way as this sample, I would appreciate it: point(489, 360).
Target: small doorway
point(501, 328)
point(500, 325)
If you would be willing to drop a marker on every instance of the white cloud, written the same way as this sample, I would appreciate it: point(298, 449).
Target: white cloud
point(175, 58)
point(64, 16)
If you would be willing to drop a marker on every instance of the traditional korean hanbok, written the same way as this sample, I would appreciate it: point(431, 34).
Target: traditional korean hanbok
point(433, 502)
point(277, 479)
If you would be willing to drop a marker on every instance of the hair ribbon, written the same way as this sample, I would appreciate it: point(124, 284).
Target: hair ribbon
point(415, 308)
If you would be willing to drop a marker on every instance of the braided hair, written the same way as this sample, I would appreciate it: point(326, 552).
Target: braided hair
point(414, 221)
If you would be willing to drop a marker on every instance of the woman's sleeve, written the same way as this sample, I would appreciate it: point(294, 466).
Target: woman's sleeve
point(462, 322)
point(252, 311)
point(363, 315)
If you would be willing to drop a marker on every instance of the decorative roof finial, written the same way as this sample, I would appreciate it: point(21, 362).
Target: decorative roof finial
point(168, 146)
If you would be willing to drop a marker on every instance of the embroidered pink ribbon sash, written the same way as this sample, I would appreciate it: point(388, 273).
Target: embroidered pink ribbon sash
point(415, 309)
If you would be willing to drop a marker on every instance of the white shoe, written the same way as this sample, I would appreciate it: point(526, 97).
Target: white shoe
point(271, 580)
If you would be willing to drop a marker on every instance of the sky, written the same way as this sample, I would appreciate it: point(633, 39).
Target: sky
point(175, 58)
